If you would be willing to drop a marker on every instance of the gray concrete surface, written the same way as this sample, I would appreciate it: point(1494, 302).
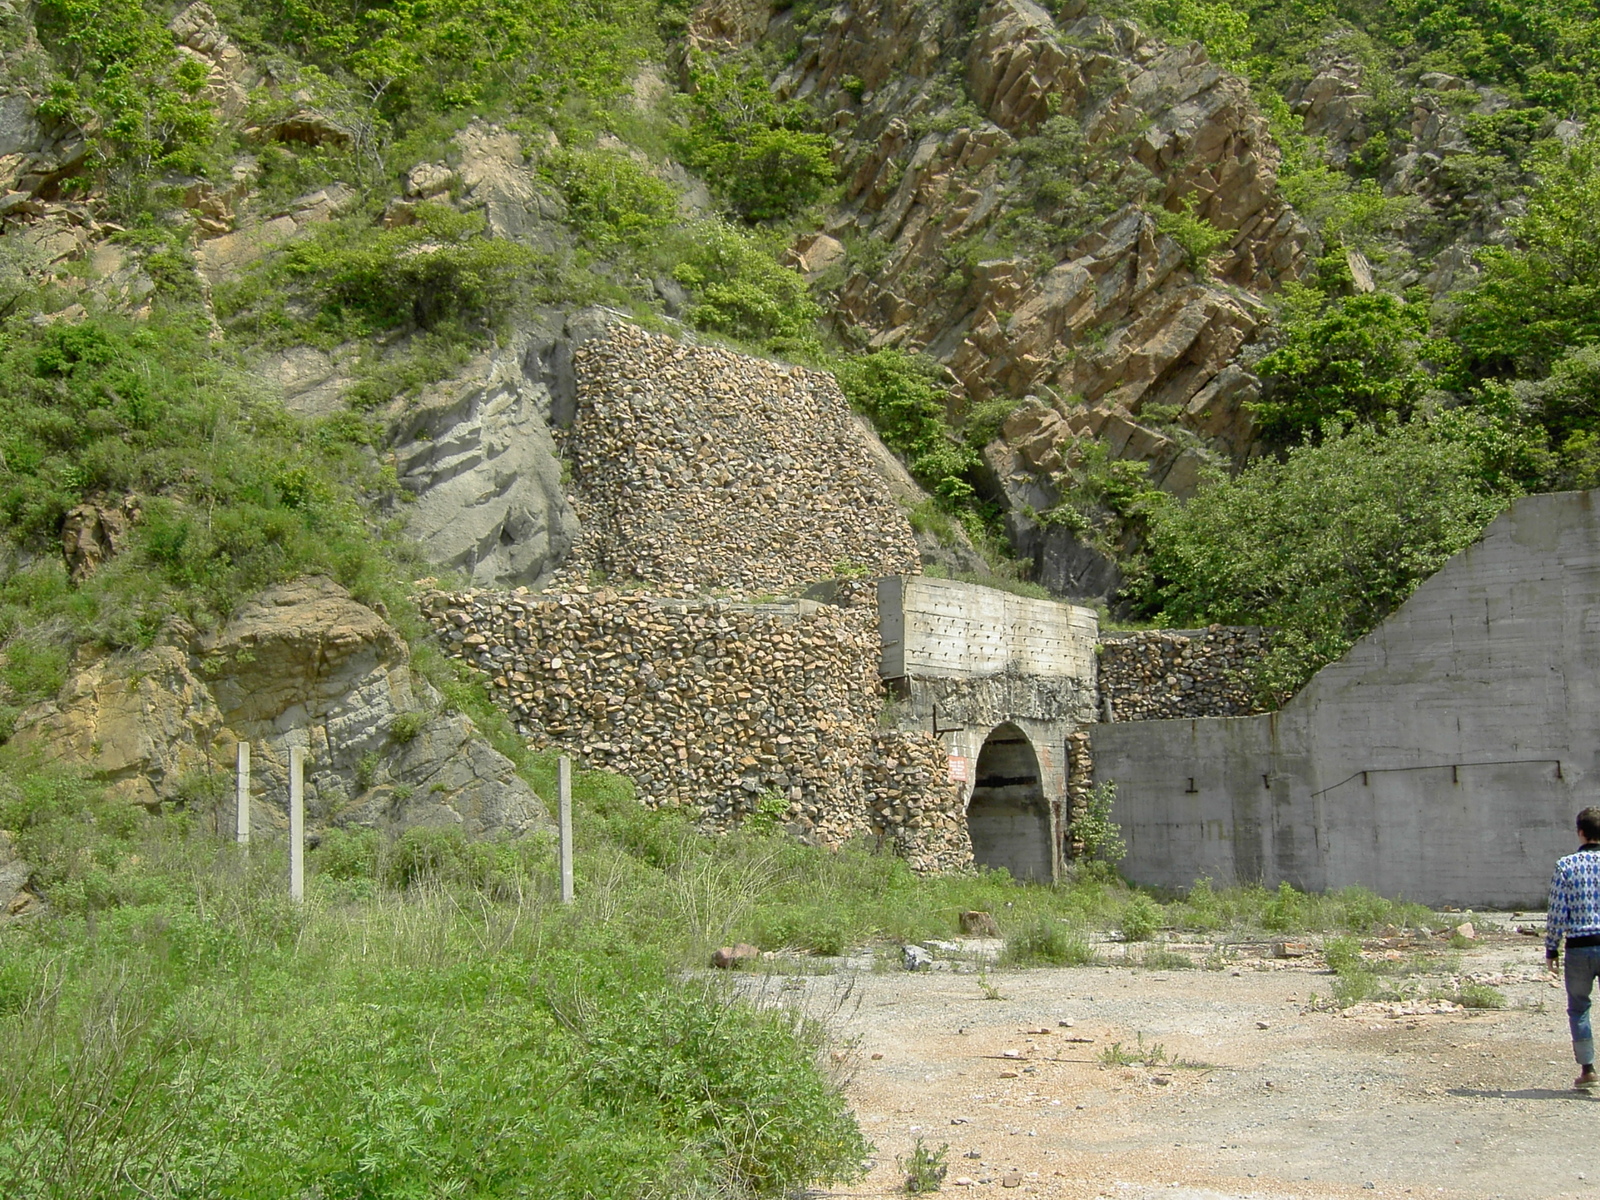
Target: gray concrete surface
point(1442, 759)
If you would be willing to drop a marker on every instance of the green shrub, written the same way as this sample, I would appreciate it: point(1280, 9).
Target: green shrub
point(1354, 986)
point(406, 726)
point(738, 288)
point(1343, 954)
point(1320, 545)
point(1480, 995)
point(349, 853)
point(439, 272)
point(1351, 358)
point(758, 153)
point(924, 1169)
point(611, 199)
point(121, 79)
point(902, 396)
point(1286, 912)
point(539, 54)
point(1047, 941)
point(1141, 917)
point(1197, 237)
point(1093, 828)
point(815, 928)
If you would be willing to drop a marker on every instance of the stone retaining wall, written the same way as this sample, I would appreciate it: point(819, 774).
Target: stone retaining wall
point(1162, 673)
point(695, 468)
point(709, 705)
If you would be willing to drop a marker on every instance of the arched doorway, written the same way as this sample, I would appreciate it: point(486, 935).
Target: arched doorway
point(1008, 818)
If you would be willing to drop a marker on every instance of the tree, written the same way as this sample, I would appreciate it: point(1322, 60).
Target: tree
point(1350, 358)
point(1541, 298)
point(901, 394)
point(756, 152)
point(1321, 544)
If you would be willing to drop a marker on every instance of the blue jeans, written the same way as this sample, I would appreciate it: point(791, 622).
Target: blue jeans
point(1583, 967)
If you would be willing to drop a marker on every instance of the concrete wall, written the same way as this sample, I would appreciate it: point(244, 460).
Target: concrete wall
point(938, 628)
point(1442, 759)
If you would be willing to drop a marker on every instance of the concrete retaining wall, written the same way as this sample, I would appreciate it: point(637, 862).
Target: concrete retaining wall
point(1442, 759)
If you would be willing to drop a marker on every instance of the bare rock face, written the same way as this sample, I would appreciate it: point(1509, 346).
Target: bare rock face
point(201, 38)
point(1122, 319)
point(496, 175)
point(476, 455)
point(15, 900)
point(144, 721)
point(301, 664)
point(1332, 103)
point(92, 533)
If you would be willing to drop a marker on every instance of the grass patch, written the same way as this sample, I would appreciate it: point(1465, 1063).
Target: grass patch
point(429, 1021)
point(1047, 942)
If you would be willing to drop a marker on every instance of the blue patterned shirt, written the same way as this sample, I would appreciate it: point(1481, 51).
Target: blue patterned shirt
point(1574, 898)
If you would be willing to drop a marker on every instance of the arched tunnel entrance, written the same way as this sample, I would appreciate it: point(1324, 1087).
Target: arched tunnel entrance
point(1008, 817)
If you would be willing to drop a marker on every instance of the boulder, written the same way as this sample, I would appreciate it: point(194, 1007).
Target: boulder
point(979, 924)
point(300, 664)
point(92, 533)
point(728, 957)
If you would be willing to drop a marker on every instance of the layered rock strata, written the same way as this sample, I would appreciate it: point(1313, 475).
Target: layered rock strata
point(696, 468)
point(1120, 318)
point(713, 706)
point(1161, 673)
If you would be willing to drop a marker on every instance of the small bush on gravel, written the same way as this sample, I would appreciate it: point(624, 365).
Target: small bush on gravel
point(1141, 918)
point(1343, 954)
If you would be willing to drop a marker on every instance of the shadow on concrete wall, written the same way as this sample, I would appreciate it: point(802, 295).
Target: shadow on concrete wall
point(1008, 817)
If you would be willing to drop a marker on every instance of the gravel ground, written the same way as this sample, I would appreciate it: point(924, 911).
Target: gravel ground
point(1261, 1095)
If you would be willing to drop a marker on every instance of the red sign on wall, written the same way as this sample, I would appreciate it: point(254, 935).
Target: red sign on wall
point(958, 769)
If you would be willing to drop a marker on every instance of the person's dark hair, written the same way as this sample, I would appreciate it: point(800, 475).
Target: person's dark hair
point(1589, 824)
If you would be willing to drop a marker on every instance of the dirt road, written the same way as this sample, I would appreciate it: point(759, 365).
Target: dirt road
point(1257, 1094)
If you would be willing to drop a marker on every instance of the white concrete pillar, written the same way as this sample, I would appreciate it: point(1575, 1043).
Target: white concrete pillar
point(564, 820)
point(297, 823)
point(241, 826)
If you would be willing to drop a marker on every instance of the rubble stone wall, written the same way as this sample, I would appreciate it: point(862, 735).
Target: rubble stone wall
point(696, 468)
point(1161, 673)
point(713, 705)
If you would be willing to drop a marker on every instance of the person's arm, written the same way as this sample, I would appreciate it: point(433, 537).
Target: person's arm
point(1556, 918)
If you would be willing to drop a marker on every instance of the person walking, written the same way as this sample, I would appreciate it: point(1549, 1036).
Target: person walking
point(1575, 916)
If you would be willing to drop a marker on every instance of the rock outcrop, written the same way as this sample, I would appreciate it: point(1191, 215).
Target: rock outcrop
point(1121, 320)
point(302, 664)
point(479, 468)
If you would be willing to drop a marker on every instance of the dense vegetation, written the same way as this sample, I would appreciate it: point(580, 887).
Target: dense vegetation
point(1495, 379)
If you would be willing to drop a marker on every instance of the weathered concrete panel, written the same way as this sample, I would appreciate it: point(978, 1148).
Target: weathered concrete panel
point(1442, 759)
point(938, 628)
point(965, 660)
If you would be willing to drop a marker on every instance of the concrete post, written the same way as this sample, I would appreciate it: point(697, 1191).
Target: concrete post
point(241, 832)
point(297, 824)
point(564, 811)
